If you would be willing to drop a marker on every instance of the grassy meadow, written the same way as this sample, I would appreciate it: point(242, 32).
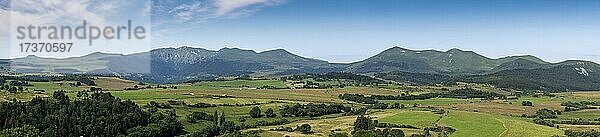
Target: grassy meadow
point(469, 117)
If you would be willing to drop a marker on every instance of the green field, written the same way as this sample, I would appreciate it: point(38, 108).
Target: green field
point(582, 114)
point(522, 128)
point(51, 86)
point(433, 101)
point(242, 84)
point(488, 125)
point(416, 118)
point(473, 124)
point(487, 122)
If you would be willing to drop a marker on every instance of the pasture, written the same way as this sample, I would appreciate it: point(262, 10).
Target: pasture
point(470, 117)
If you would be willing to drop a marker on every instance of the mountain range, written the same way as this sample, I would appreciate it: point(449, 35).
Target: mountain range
point(172, 65)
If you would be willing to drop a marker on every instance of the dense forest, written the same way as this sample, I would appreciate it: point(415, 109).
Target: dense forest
point(313, 110)
point(413, 78)
point(98, 114)
point(560, 78)
point(359, 79)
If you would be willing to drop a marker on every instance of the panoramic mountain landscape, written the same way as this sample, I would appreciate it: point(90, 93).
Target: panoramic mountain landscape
point(175, 65)
point(236, 92)
point(299, 68)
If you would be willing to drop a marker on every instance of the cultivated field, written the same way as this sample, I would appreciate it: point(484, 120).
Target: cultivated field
point(235, 99)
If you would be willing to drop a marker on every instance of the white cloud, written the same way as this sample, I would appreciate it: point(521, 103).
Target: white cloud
point(73, 13)
point(170, 15)
point(203, 10)
point(66, 12)
point(228, 6)
point(187, 12)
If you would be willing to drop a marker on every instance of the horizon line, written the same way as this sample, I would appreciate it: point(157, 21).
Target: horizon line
point(279, 48)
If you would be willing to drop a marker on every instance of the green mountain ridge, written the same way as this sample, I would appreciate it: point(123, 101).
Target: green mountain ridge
point(454, 61)
point(173, 65)
point(564, 76)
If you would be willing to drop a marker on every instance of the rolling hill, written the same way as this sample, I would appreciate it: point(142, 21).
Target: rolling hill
point(563, 76)
point(179, 64)
point(454, 61)
point(173, 65)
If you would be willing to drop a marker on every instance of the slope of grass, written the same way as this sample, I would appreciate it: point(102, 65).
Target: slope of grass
point(243, 83)
point(433, 101)
point(469, 124)
point(583, 114)
point(111, 83)
point(53, 86)
point(419, 119)
point(521, 128)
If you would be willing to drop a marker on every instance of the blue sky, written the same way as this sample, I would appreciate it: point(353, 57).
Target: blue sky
point(352, 30)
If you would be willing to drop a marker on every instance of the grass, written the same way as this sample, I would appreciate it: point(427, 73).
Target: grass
point(148, 94)
point(579, 127)
point(54, 86)
point(488, 125)
point(419, 119)
point(243, 83)
point(535, 100)
point(588, 95)
point(309, 95)
point(433, 101)
point(232, 113)
point(322, 126)
point(485, 123)
point(468, 124)
point(522, 128)
point(112, 84)
point(583, 114)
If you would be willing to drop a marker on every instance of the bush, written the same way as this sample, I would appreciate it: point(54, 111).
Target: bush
point(304, 128)
point(255, 112)
point(527, 103)
point(589, 133)
point(363, 123)
point(270, 113)
point(197, 116)
point(396, 133)
point(313, 110)
point(364, 133)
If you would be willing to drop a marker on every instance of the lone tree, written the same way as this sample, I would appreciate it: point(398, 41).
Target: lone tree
point(304, 128)
point(363, 123)
point(255, 112)
point(270, 113)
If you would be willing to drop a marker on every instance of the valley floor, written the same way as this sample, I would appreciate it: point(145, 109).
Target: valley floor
point(469, 117)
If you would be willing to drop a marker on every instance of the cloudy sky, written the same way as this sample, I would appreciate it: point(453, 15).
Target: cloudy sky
point(351, 30)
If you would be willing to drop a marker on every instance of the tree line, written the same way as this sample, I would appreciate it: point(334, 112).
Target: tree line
point(312, 110)
point(459, 93)
point(218, 125)
point(334, 76)
point(588, 133)
point(575, 106)
point(365, 127)
point(413, 78)
point(85, 79)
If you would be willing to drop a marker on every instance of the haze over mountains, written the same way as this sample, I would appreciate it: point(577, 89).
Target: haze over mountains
point(171, 65)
